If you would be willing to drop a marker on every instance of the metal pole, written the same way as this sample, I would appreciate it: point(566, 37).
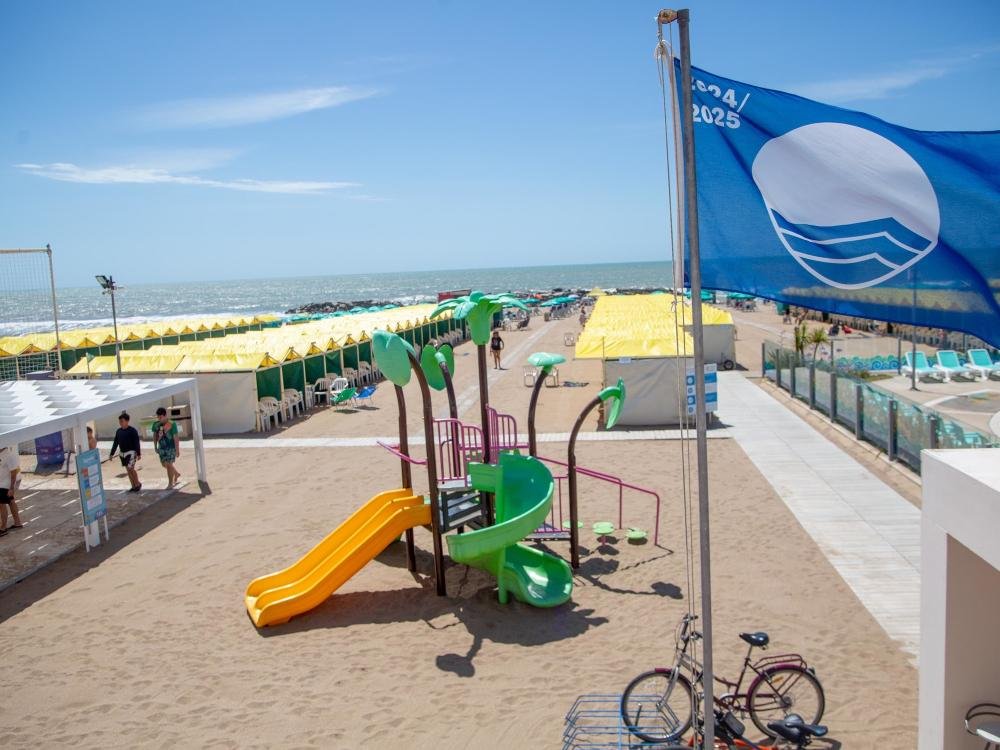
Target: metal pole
point(694, 273)
point(913, 315)
point(114, 322)
point(574, 533)
point(532, 437)
point(484, 399)
point(432, 480)
point(405, 476)
point(55, 307)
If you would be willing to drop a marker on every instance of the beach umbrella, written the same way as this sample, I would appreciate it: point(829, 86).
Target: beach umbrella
point(357, 309)
point(374, 308)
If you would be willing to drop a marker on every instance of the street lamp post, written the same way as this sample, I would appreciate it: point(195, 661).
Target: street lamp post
point(110, 287)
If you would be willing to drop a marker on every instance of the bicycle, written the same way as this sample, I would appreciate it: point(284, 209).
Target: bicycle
point(792, 733)
point(658, 705)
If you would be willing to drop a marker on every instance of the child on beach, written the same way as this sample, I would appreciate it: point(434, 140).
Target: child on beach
point(10, 465)
point(496, 346)
point(167, 445)
point(127, 441)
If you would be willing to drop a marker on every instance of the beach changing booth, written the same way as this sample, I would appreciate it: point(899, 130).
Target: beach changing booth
point(644, 340)
point(251, 361)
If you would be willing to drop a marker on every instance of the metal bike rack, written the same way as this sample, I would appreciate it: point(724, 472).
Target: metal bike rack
point(595, 723)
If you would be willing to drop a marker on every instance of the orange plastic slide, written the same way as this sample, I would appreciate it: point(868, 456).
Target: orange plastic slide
point(274, 599)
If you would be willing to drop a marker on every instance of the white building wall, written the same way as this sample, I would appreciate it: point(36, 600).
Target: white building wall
point(960, 593)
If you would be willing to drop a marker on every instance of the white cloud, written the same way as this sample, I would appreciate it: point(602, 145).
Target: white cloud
point(130, 174)
point(883, 84)
point(250, 108)
point(864, 88)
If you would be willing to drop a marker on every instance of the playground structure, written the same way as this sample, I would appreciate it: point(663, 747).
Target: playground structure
point(479, 486)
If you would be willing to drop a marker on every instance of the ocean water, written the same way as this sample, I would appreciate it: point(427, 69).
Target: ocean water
point(22, 312)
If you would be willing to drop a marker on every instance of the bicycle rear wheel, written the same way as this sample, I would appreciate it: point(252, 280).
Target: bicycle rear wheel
point(785, 690)
point(657, 706)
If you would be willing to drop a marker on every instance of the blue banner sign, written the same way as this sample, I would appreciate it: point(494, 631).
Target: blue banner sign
point(88, 475)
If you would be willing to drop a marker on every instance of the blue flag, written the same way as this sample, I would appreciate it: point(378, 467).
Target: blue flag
point(836, 210)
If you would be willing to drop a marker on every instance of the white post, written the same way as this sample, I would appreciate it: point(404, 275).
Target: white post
point(196, 434)
point(91, 532)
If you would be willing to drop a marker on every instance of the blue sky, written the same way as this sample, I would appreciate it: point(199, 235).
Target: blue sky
point(169, 142)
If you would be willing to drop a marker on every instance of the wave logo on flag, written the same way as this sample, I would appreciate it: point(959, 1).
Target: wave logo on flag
point(852, 207)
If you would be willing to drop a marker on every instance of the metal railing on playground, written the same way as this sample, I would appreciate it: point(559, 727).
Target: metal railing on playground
point(899, 427)
point(621, 484)
point(458, 443)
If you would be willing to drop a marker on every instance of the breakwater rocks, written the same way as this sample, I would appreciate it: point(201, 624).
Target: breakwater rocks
point(330, 307)
point(540, 294)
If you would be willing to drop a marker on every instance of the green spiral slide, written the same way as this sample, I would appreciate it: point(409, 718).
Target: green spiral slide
point(522, 487)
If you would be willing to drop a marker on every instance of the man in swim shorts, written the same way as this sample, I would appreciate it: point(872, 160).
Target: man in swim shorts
point(127, 442)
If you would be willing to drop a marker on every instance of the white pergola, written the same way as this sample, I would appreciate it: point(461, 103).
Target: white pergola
point(32, 408)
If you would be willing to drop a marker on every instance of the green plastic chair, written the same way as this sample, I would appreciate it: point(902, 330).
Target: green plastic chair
point(344, 396)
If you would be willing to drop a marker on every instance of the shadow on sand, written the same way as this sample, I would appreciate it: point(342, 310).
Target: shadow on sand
point(75, 563)
point(471, 602)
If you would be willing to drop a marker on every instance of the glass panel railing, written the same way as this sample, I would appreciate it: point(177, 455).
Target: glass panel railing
point(802, 383)
point(914, 422)
point(823, 382)
point(846, 411)
point(875, 424)
point(913, 433)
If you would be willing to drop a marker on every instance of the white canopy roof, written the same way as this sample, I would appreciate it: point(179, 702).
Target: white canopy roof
point(32, 408)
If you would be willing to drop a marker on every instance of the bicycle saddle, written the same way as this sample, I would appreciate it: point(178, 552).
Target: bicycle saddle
point(759, 639)
point(793, 729)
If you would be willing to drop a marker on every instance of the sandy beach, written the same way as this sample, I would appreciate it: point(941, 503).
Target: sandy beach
point(146, 642)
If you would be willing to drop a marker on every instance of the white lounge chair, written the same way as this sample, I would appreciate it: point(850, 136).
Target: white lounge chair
point(365, 373)
point(292, 402)
point(338, 386)
point(947, 361)
point(268, 410)
point(321, 390)
point(981, 362)
point(923, 367)
point(351, 375)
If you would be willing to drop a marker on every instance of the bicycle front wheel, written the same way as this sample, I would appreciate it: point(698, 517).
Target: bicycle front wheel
point(785, 690)
point(657, 706)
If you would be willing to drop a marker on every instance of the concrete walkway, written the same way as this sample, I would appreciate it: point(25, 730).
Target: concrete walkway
point(370, 442)
point(868, 532)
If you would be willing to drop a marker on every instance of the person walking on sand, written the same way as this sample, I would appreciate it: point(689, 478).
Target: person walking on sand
point(10, 465)
point(167, 445)
point(130, 449)
point(496, 346)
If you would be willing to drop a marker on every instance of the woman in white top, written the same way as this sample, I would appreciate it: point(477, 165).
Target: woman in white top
point(10, 465)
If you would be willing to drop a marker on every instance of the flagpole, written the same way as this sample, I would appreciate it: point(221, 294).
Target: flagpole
point(701, 424)
point(913, 337)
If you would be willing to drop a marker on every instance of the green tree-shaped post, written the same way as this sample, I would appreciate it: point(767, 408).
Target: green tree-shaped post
point(397, 361)
point(544, 362)
point(478, 310)
point(615, 396)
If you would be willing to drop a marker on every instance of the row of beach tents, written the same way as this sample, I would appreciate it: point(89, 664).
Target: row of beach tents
point(20, 355)
point(235, 371)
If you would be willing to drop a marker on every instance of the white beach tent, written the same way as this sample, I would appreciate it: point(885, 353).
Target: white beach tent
point(31, 409)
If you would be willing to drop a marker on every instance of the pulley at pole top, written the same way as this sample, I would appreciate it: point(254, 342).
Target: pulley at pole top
point(666, 16)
